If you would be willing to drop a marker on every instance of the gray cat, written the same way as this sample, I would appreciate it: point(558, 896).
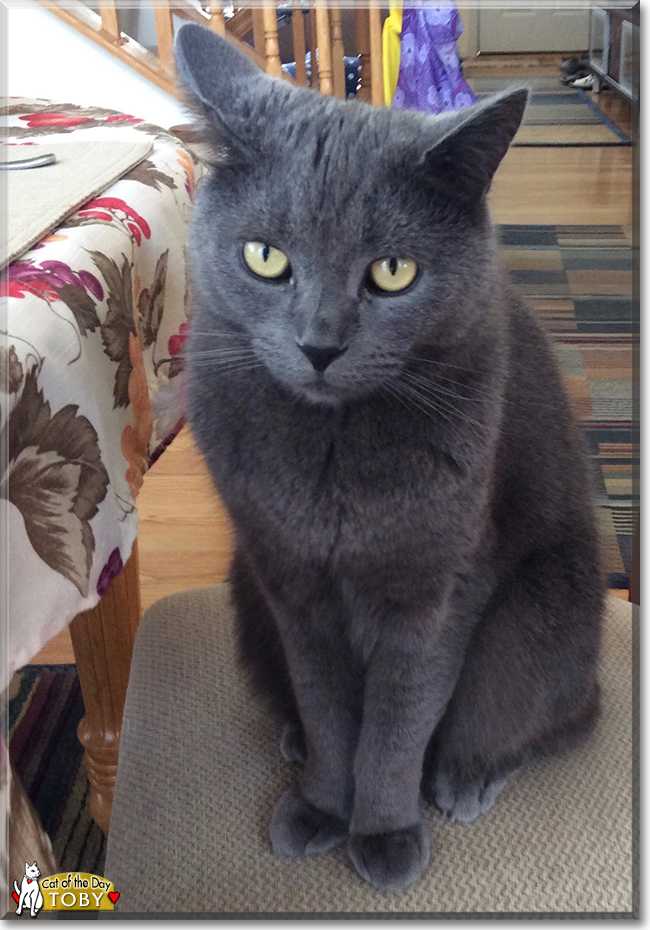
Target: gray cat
point(416, 576)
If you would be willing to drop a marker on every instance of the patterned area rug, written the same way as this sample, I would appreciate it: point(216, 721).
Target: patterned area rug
point(579, 281)
point(557, 115)
point(45, 707)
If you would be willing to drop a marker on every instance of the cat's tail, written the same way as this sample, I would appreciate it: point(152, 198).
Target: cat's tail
point(16, 887)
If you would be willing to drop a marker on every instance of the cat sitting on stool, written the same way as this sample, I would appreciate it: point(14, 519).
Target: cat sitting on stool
point(29, 893)
point(417, 578)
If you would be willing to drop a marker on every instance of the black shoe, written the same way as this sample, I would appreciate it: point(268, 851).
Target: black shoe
point(573, 68)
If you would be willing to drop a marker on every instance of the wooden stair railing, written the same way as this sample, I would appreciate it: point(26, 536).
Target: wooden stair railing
point(103, 28)
point(321, 22)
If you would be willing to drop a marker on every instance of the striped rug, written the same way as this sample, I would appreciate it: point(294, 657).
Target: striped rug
point(579, 281)
point(45, 707)
point(557, 115)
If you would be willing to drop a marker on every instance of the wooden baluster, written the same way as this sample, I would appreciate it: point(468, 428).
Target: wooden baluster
point(324, 50)
point(102, 639)
point(271, 44)
point(110, 18)
point(217, 22)
point(376, 57)
point(258, 31)
point(164, 35)
point(338, 54)
point(362, 43)
point(299, 47)
point(313, 44)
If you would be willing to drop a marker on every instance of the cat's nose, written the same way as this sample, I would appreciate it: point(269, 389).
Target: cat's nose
point(321, 356)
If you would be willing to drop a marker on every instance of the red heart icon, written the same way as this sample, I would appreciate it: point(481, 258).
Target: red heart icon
point(113, 895)
point(16, 896)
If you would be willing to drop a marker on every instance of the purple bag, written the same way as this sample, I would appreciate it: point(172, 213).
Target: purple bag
point(430, 75)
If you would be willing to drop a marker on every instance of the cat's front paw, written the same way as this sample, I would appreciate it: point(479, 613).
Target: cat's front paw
point(300, 829)
point(391, 861)
point(462, 801)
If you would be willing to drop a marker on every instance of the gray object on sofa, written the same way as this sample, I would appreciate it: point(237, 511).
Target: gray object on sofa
point(200, 770)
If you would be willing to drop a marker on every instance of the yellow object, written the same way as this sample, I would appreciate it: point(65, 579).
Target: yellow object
point(393, 274)
point(264, 260)
point(391, 49)
point(78, 891)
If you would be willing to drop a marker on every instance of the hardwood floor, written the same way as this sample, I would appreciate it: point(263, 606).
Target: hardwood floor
point(185, 539)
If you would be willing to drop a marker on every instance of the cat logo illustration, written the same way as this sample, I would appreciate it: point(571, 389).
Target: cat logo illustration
point(29, 894)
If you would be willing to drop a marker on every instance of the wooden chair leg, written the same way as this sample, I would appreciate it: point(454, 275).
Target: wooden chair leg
point(271, 46)
point(313, 46)
point(338, 53)
point(103, 640)
point(324, 51)
point(299, 45)
point(362, 45)
point(376, 54)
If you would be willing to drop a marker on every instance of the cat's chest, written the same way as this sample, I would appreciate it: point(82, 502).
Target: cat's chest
point(290, 477)
point(312, 480)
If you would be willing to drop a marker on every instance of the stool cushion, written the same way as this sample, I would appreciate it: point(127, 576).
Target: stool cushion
point(200, 770)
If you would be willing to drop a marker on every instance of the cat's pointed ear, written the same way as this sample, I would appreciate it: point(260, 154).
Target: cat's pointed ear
point(472, 147)
point(223, 85)
point(27, 866)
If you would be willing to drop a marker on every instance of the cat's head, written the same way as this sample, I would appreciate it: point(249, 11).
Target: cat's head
point(334, 236)
point(32, 871)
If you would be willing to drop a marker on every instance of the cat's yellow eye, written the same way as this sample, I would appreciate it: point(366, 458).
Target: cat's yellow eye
point(265, 261)
point(393, 274)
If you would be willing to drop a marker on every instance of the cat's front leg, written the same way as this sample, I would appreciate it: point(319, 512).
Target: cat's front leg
point(313, 817)
point(409, 682)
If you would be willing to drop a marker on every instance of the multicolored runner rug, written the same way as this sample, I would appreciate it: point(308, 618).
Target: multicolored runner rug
point(557, 114)
point(579, 281)
point(45, 707)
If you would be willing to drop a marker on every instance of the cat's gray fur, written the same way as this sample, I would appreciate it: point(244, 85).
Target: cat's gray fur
point(417, 574)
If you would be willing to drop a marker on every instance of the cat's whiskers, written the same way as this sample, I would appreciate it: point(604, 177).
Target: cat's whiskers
point(226, 364)
point(238, 368)
point(219, 350)
point(390, 389)
point(435, 361)
point(430, 384)
point(489, 395)
point(432, 389)
point(221, 353)
point(218, 332)
point(413, 400)
point(444, 407)
point(451, 414)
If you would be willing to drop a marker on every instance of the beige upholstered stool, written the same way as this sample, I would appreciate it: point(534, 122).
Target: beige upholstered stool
point(200, 770)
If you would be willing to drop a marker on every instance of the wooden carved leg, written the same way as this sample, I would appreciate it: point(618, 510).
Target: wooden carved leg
point(376, 62)
point(103, 640)
point(362, 45)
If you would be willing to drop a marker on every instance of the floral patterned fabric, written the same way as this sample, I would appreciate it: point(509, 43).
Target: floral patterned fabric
point(430, 73)
point(91, 374)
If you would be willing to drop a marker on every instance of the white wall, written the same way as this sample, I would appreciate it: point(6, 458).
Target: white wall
point(47, 58)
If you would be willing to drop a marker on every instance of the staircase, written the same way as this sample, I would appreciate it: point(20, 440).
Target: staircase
point(254, 30)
